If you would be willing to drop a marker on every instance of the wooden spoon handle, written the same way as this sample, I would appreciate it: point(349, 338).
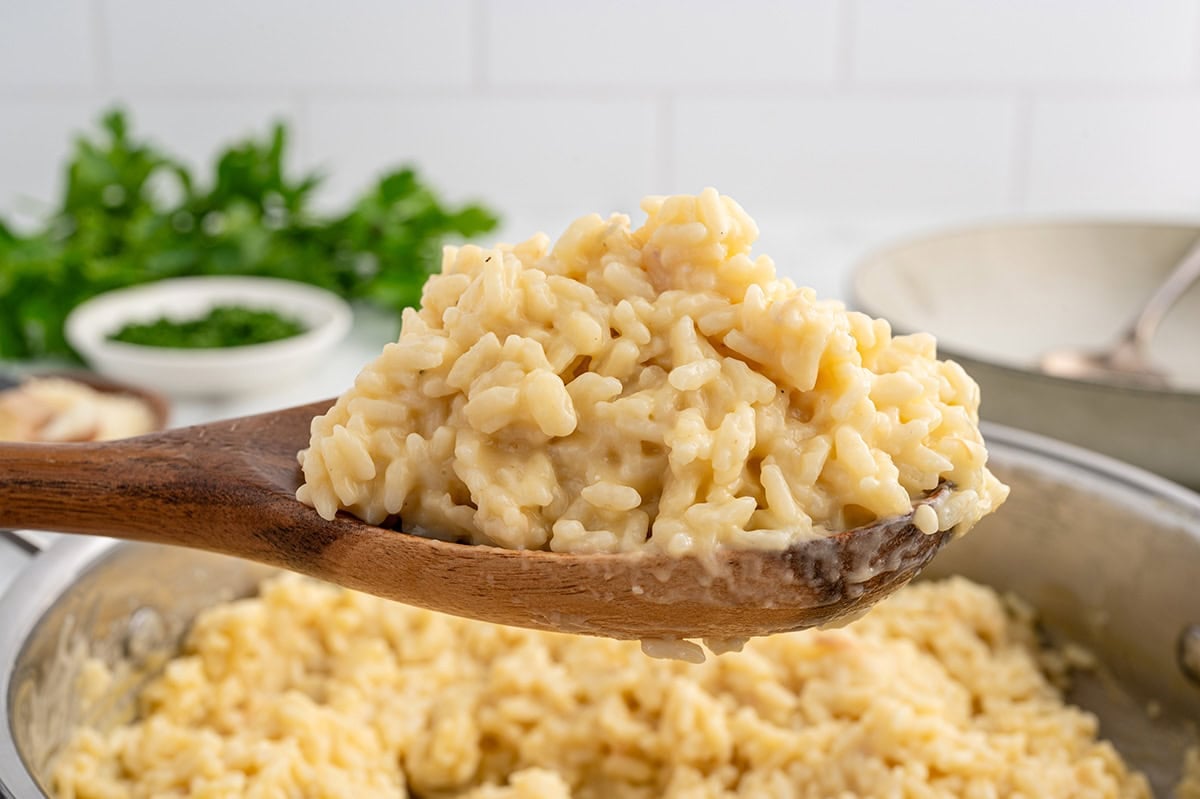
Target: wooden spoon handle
point(76, 487)
point(227, 486)
point(135, 489)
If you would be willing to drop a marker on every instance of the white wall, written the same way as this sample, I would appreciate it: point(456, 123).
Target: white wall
point(551, 107)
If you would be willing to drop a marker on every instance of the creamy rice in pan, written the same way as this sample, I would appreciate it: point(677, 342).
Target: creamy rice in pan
point(657, 388)
point(314, 691)
point(1189, 786)
point(57, 409)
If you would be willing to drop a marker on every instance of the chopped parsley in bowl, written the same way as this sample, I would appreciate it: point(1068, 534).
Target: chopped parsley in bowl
point(222, 326)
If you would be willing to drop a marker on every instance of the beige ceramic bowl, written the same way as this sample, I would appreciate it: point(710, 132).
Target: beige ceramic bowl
point(1000, 296)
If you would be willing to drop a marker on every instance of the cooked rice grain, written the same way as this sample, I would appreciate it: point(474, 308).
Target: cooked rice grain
point(591, 396)
point(311, 690)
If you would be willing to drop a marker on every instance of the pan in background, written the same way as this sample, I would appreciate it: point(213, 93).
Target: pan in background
point(1108, 554)
point(998, 297)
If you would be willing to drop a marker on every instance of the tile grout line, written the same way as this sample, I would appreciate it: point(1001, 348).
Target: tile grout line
point(480, 54)
point(843, 39)
point(664, 113)
point(1196, 42)
point(782, 91)
point(1022, 151)
point(303, 126)
point(101, 47)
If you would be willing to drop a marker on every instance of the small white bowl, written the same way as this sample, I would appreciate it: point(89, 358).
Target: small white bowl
point(212, 372)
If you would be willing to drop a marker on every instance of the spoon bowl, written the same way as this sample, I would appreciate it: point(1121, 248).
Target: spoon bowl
point(229, 487)
point(1124, 365)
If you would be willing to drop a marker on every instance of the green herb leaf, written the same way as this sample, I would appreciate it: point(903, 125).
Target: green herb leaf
point(222, 326)
point(131, 213)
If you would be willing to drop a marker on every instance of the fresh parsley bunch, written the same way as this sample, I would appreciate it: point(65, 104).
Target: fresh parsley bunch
point(131, 214)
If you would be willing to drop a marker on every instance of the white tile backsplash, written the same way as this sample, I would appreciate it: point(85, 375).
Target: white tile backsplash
point(874, 154)
point(546, 108)
point(1132, 154)
point(35, 137)
point(192, 130)
point(636, 44)
point(282, 43)
point(46, 44)
point(1024, 41)
point(195, 129)
point(524, 153)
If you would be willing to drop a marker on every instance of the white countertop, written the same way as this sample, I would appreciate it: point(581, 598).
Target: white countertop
point(813, 253)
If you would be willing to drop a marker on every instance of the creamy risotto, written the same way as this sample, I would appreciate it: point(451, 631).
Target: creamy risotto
point(56, 409)
point(657, 388)
point(1189, 786)
point(315, 691)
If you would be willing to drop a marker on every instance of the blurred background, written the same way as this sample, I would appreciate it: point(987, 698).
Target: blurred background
point(824, 111)
point(843, 126)
point(856, 132)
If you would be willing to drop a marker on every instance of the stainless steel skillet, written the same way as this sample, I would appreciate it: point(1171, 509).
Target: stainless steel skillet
point(1108, 554)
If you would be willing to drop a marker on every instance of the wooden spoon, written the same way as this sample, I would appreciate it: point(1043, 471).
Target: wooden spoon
point(230, 486)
